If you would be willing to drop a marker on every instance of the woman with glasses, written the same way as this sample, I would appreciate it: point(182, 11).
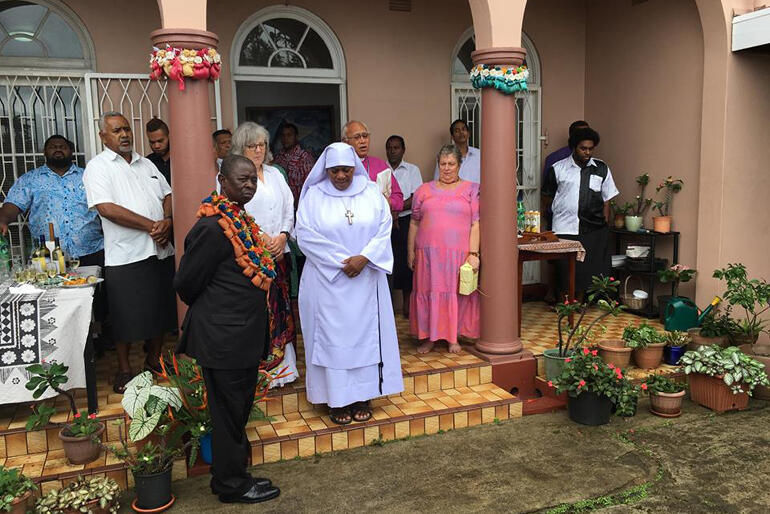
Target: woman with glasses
point(273, 209)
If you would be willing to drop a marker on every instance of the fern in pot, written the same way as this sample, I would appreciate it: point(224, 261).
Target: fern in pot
point(722, 379)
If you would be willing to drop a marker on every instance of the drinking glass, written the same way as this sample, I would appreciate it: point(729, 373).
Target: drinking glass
point(41, 277)
point(51, 270)
point(73, 263)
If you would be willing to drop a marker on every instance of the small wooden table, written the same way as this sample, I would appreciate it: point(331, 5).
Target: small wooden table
point(570, 250)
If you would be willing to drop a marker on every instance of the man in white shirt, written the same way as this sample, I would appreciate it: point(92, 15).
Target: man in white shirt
point(578, 189)
point(409, 178)
point(133, 200)
point(470, 167)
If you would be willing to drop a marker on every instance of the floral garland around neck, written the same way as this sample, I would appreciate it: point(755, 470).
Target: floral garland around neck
point(244, 234)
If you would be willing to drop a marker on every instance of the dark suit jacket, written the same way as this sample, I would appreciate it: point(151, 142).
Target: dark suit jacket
point(226, 324)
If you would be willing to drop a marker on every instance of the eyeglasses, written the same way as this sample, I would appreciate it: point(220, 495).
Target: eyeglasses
point(255, 146)
point(359, 136)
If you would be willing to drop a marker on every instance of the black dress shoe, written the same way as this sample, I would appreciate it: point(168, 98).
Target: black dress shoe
point(256, 494)
point(262, 482)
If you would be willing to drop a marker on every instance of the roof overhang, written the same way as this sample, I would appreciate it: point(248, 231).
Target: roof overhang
point(751, 30)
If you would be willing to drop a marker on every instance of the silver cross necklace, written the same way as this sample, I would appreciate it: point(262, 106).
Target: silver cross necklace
point(348, 213)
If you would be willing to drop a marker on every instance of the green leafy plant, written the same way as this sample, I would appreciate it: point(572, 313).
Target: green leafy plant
point(737, 370)
point(716, 324)
point(670, 187)
point(640, 204)
point(660, 384)
point(676, 274)
point(148, 405)
point(642, 336)
point(621, 209)
point(75, 496)
point(600, 295)
point(753, 295)
point(53, 375)
point(152, 458)
point(13, 485)
point(587, 372)
point(677, 338)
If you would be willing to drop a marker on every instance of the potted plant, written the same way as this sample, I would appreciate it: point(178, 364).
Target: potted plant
point(647, 344)
point(670, 187)
point(751, 294)
point(722, 379)
point(148, 405)
point(82, 436)
point(615, 352)
point(635, 218)
point(626, 397)
point(761, 353)
point(675, 274)
point(15, 491)
point(715, 328)
point(97, 495)
point(666, 395)
point(599, 294)
point(593, 388)
point(620, 212)
point(676, 345)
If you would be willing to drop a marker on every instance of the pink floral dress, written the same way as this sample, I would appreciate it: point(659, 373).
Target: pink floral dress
point(437, 311)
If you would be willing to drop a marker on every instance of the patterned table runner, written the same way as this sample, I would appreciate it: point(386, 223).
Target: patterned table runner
point(560, 246)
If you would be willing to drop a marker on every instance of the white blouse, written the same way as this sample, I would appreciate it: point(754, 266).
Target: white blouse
point(273, 204)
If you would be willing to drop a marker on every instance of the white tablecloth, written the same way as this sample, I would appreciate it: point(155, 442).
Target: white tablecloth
point(51, 325)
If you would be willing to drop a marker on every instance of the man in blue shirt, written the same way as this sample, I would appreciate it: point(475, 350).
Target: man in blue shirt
point(54, 193)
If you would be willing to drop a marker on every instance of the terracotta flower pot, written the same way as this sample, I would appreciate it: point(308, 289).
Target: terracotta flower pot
point(650, 357)
point(699, 340)
point(760, 392)
point(711, 392)
point(620, 220)
point(20, 504)
point(740, 339)
point(666, 405)
point(614, 351)
point(81, 450)
point(661, 224)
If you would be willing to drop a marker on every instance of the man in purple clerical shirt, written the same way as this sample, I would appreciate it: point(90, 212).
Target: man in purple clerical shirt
point(356, 134)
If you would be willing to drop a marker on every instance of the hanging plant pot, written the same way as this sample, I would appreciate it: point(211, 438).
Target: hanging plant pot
point(661, 224)
point(553, 363)
point(81, 449)
point(615, 351)
point(649, 357)
point(672, 354)
point(153, 492)
point(713, 393)
point(589, 408)
point(666, 405)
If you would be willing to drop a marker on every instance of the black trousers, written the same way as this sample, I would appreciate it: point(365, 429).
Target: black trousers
point(100, 295)
point(230, 397)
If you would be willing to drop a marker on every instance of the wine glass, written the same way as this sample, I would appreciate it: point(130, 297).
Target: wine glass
point(73, 263)
point(51, 270)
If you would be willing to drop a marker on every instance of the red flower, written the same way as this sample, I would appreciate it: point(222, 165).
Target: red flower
point(644, 387)
point(567, 360)
point(586, 351)
point(596, 368)
point(611, 365)
point(77, 415)
point(620, 375)
point(566, 302)
point(582, 383)
point(550, 384)
point(92, 416)
point(595, 352)
point(574, 301)
point(612, 279)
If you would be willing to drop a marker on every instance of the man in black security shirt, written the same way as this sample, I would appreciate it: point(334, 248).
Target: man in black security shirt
point(157, 135)
point(578, 190)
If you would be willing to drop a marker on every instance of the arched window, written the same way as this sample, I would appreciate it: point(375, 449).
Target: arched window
point(288, 66)
point(40, 34)
point(466, 104)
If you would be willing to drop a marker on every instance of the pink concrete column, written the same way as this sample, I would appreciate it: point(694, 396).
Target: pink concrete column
point(192, 153)
point(499, 250)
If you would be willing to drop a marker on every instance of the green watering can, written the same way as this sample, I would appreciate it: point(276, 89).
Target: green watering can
point(682, 313)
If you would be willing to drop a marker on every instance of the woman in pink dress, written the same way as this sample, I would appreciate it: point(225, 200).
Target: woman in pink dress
point(443, 235)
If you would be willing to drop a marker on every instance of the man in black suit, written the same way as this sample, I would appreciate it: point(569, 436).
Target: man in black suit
point(225, 330)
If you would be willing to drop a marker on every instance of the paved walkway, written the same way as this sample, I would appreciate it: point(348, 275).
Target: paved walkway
point(700, 462)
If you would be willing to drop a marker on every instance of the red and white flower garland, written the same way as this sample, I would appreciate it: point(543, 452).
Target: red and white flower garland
point(179, 64)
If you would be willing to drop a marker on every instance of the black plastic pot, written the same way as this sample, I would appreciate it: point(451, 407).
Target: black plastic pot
point(589, 409)
point(153, 491)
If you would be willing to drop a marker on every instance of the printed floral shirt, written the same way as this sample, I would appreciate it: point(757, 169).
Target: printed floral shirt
point(50, 198)
point(297, 163)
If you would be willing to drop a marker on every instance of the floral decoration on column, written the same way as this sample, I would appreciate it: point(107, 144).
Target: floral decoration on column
point(180, 64)
point(503, 78)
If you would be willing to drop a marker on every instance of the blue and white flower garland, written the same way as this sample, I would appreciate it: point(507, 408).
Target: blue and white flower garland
point(505, 79)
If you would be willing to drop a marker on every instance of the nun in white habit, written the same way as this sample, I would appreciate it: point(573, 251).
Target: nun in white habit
point(343, 228)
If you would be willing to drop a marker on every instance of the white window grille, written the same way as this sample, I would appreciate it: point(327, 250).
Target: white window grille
point(466, 105)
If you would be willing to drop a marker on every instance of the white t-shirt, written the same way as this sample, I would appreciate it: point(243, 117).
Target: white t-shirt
point(565, 202)
point(470, 167)
point(273, 204)
point(138, 187)
point(409, 179)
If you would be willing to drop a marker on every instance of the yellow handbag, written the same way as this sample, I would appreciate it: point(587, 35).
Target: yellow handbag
point(469, 279)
